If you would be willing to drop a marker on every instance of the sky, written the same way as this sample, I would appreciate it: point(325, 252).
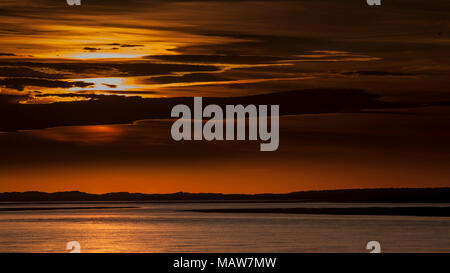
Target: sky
point(85, 94)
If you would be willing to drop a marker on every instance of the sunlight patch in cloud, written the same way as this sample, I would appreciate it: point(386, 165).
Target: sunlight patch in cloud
point(52, 99)
point(86, 56)
point(105, 84)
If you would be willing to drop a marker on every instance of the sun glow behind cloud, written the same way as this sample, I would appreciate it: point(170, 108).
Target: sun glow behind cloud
point(51, 99)
point(104, 84)
point(86, 56)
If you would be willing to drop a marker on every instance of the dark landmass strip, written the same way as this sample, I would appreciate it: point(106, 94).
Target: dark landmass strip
point(391, 211)
point(385, 195)
point(61, 208)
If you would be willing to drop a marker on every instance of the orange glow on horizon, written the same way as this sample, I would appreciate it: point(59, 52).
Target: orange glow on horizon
point(245, 178)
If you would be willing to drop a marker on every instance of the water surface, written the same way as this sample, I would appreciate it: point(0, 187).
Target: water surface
point(162, 227)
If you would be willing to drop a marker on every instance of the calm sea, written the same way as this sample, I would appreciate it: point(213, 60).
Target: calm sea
point(162, 227)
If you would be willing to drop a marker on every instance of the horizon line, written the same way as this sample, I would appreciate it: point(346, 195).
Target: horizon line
point(218, 193)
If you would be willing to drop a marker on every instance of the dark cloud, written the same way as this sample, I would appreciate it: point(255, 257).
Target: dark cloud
point(143, 68)
point(113, 69)
point(110, 109)
point(193, 77)
point(21, 83)
point(128, 45)
point(91, 49)
point(306, 137)
point(222, 59)
point(97, 95)
point(124, 45)
point(11, 71)
point(7, 54)
point(124, 92)
point(11, 99)
point(277, 46)
point(109, 85)
point(377, 73)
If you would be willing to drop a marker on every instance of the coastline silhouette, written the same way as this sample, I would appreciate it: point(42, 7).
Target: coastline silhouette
point(380, 195)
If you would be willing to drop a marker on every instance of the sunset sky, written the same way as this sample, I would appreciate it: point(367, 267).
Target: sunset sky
point(64, 68)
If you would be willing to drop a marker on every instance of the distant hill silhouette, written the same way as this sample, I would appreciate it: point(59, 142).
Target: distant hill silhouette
point(388, 195)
